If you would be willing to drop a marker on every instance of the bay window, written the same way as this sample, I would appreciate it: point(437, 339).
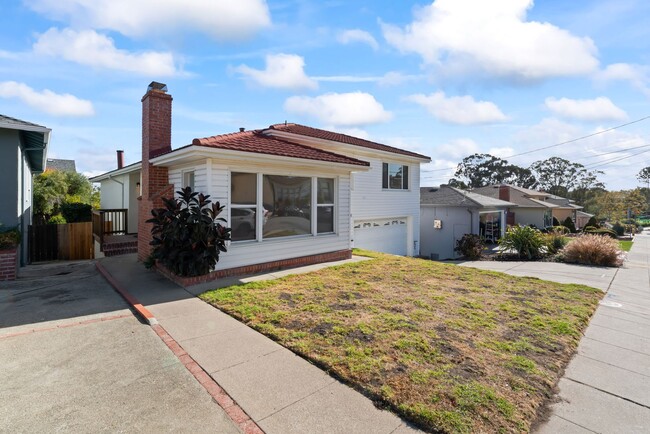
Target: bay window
point(286, 206)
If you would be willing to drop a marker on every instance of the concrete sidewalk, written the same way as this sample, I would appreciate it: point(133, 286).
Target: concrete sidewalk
point(606, 387)
point(280, 391)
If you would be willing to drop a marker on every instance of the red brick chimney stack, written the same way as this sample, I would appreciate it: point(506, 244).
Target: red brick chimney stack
point(504, 192)
point(120, 159)
point(156, 140)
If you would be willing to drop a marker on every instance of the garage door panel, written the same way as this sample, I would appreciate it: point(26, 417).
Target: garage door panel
point(386, 235)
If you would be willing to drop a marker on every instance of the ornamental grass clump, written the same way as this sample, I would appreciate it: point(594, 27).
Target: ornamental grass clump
point(187, 234)
point(524, 241)
point(556, 239)
point(589, 249)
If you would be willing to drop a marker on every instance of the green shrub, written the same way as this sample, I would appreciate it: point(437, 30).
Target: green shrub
point(556, 222)
point(568, 223)
point(560, 229)
point(591, 249)
point(593, 222)
point(618, 228)
point(526, 241)
point(9, 238)
point(187, 234)
point(601, 231)
point(556, 240)
point(76, 212)
point(470, 246)
point(57, 220)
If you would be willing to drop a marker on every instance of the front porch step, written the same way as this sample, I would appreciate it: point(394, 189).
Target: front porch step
point(115, 249)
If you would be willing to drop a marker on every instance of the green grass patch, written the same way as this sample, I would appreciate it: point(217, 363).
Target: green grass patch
point(626, 245)
point(453, 349)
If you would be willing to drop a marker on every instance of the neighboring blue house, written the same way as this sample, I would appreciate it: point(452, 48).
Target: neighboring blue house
point(23, 153)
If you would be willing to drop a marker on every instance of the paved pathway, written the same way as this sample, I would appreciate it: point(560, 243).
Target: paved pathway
point(280, 391)
point(606, 387)
point(74, 358)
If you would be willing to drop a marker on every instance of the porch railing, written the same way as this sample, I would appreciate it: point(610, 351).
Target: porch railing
point(109, 222)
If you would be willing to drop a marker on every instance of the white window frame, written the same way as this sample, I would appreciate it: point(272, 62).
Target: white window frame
point(260, 207)
point(388, 187)
point(185, 174)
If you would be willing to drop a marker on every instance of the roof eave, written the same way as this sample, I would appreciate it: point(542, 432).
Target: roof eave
point(117, 172)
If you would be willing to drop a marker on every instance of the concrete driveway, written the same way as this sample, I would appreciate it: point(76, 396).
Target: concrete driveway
point(596, 277)
point(75, 359)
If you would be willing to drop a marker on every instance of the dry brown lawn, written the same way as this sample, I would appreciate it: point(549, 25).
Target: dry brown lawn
point(452, 349)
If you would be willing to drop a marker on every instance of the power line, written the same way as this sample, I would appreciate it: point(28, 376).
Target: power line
point(599, 164)
point(565, 142)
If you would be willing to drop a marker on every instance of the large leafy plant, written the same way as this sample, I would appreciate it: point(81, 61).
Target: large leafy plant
point(188, 235)
point(525, 241)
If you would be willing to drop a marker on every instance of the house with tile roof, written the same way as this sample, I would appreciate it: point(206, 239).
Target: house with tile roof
point(447, 213)
point(293, 193)
point(61, 165)
point(23, 153)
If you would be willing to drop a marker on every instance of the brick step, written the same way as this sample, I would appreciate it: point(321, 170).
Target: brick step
point(115, 249)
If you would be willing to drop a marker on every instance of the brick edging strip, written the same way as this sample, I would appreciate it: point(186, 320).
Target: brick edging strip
point(139, 308)
point(239, 417)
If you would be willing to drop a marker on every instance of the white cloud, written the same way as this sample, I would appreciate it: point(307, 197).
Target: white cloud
point(502, 152)
point(357, 35)
point(341, 109)
point(221, 19)
point(493, 37)
point(597, 109)
point(283, 71)
point(457, 149)
point(637, 75)
point(462, 110)
point(47, 101)
point(88, 47)
point(391, 78)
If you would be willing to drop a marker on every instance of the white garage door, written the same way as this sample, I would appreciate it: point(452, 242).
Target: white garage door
point(385, 235)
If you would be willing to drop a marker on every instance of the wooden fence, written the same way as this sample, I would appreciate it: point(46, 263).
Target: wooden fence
point(70, 241)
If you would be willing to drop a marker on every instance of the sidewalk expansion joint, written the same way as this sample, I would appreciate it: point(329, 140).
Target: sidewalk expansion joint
point(609, 393)
point(619, 331)
point(245, 361)
point(617, 346)
point(67, 325)
point(614, 366)
point(576, 424)
point(298, 400)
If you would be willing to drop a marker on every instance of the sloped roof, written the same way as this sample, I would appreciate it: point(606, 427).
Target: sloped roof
point(35, 137)
point(518, 196)
point(341, 138)
point(451, 196)
point(61, 165)
point(259, 143)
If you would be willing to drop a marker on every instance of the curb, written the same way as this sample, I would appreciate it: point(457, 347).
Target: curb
point(238, 416)
point(139, 308)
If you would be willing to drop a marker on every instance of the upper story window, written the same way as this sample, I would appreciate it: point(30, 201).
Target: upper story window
point(395, 176)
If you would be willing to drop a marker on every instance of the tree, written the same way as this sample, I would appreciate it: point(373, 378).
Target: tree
point(644, 176)
point(53, 188)
point(479, 170)
point(558, 176)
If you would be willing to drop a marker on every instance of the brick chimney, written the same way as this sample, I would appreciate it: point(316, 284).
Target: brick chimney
point(156, 140)
point(120, 159)
point(504, 192)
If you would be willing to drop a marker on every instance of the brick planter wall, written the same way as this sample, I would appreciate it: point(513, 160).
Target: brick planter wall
point(256, 268)
point(9, 264)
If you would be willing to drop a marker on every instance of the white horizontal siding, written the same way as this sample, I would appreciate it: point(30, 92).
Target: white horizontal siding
point(253, 252)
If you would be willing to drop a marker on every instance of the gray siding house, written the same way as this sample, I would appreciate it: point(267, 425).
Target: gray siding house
point(23, 153)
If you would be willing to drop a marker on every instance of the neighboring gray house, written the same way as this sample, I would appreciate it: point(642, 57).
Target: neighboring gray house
point(23, 153)
point(533, 207)
point(448, 213)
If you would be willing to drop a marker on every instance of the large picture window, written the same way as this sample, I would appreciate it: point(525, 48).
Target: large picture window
point(395, 176)
point(243, 193)
point(289, 206)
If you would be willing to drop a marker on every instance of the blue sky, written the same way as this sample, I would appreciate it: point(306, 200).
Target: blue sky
point(447, 78)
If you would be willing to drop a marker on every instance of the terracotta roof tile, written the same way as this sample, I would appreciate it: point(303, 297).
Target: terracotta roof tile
point(257, 142)
point(342, 138)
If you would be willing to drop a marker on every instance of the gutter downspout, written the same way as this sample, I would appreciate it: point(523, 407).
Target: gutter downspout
point(110, 177)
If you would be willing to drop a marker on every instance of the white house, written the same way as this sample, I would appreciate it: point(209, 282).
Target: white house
point(290, 191)
point(23, 153)
point(448, 213)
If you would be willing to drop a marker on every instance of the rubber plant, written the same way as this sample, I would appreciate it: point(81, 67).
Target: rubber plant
point(188, 234)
